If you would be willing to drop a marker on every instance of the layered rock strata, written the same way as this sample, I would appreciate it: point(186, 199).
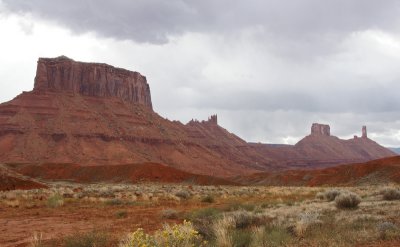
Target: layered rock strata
point(62, 74)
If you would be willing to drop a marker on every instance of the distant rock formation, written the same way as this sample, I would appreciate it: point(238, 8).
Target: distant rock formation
point(364, 132)
point(320, 129)
point(213, 119)
point(96, 114)
point(63, 74)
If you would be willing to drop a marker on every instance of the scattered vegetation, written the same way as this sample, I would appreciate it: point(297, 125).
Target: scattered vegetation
point(121, 214)
point(37, 240)
point(387, 230)
point(208, 199)
point(89, 239)
point(183, 194)
point(331, 195)
point(347, 200)
point(55, 201)
point(114, 202)
point(169, 214)
point(244, 216)
point(391, 194)
point(182, 235)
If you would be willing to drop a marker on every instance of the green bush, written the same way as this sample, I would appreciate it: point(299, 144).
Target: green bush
point(55, 201)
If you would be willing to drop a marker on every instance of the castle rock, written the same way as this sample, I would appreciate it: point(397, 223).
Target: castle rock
point(62, 74)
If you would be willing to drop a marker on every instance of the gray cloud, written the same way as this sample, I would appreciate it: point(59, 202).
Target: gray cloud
point(156, 20)
point(269, 68)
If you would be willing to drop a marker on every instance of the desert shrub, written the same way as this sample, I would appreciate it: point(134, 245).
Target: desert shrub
point(90, 239)
point(347, 200)
point(183, 194)
point(203, 220)
point(305, 222)
point(205, 228)
point(248, 207)
point(222, 229)
point(208, 199)
point(386, 229)
point(121, 214)
point(113, 202)
point(320, 196)
point(238, 206)
point(277, 236)
point(137, 239)
point(203, 213)
point(241, 237)
point(177, 235)
point(169, 214)
point(391, 194)
point(37, 240)
point(55, 201)
point(271, 236)
point(330, 195)
point(244, 219)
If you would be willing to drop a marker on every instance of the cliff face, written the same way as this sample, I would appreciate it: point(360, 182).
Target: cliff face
point(62, 74)
point(92, 114)
point(320, 129)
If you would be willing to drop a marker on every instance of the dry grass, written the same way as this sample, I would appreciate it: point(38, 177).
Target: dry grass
point(243, 216)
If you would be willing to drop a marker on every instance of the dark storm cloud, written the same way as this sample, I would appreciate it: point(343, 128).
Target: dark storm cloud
point(269, 68)
point(155, 20)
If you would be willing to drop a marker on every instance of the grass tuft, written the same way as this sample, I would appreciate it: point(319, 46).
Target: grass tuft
point(347, 200)
point(89, 239)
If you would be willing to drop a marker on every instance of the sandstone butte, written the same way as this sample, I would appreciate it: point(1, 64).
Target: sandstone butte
point(93, 114)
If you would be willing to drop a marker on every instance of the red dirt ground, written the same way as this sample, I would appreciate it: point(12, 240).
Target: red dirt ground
point(132, 173)
point(10, 180)
point(373, 172)
point(18, 226)
point(12, 183)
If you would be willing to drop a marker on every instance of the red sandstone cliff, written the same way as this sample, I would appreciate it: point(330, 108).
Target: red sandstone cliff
point(62, 74)
point(92, 114)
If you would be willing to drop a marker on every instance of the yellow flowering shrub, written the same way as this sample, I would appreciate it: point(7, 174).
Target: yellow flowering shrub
point(138, 239)
point(182, 235)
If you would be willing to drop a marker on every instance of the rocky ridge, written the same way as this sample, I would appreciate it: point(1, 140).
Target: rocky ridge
point(95, 114)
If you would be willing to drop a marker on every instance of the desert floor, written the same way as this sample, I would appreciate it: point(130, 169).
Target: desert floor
point(261, 216)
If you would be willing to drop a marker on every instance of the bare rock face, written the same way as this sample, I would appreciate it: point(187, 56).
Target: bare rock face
point(63, 74)
point(320, 129)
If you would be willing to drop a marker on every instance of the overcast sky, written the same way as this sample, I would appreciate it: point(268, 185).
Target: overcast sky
point(268, 68)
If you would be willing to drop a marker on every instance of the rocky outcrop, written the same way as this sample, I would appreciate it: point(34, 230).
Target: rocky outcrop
point(89, 114)
point(320, 129)
point(62, 74)
point(213, 119)
point(364, 132)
